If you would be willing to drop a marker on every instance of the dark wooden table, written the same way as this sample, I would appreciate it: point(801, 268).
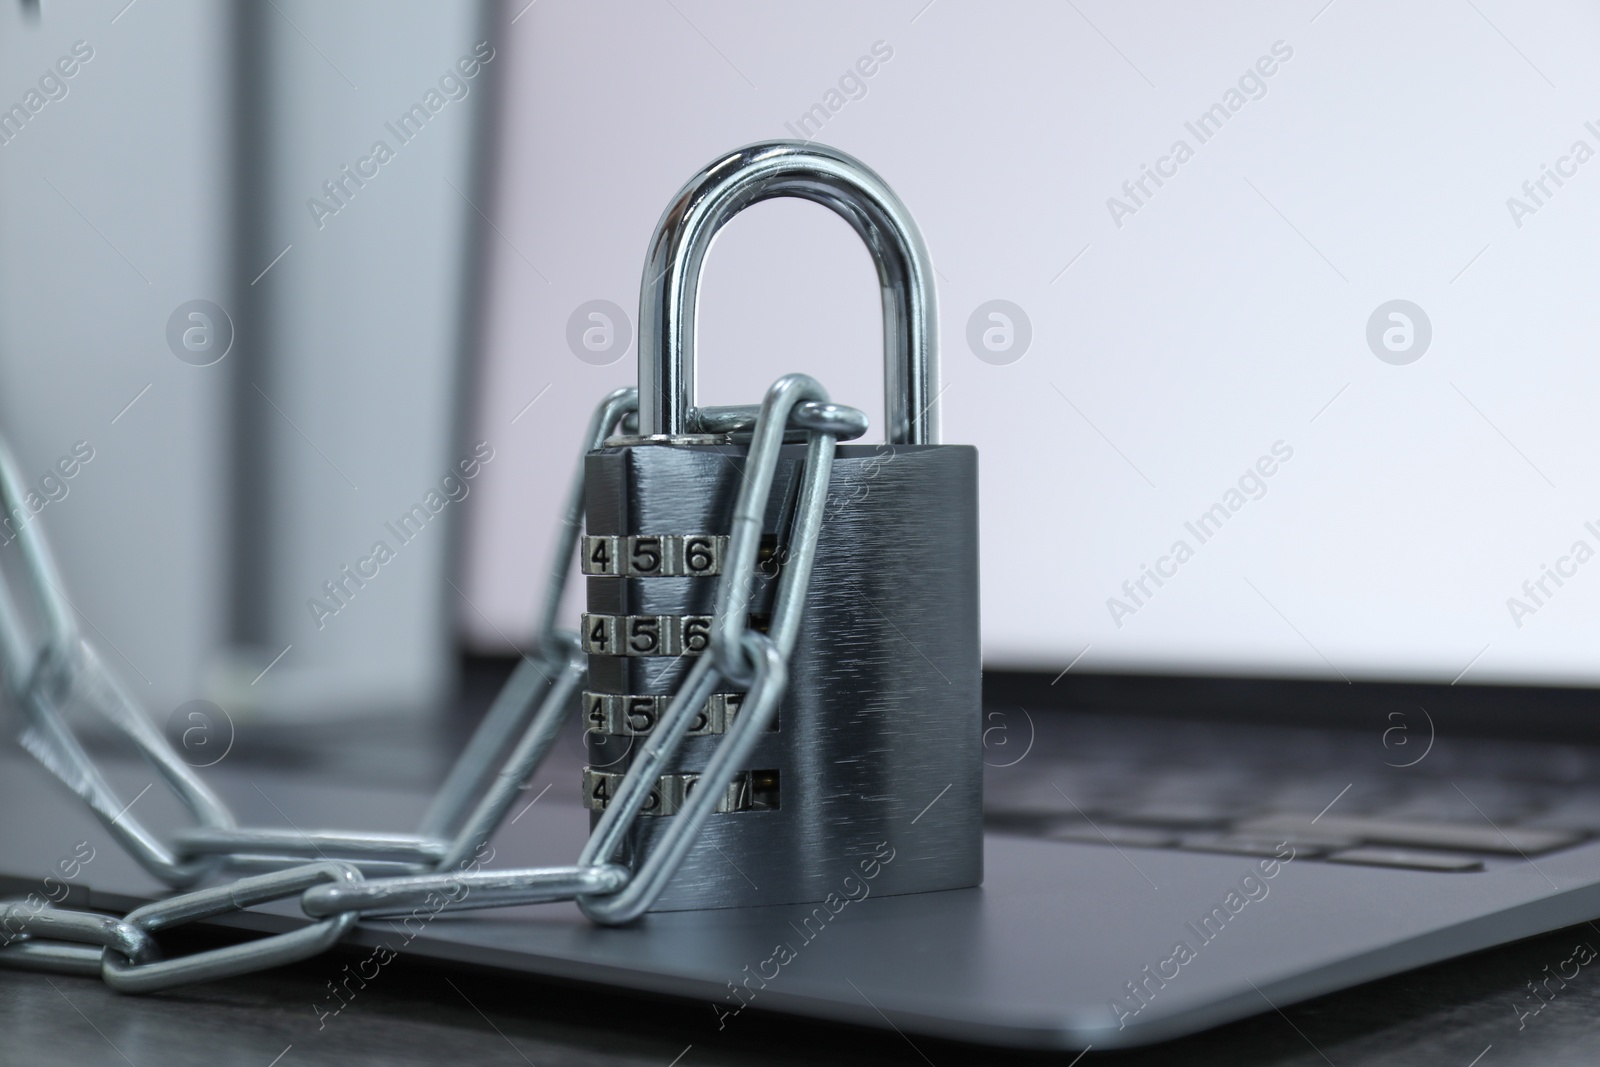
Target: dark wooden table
point(1459, 1013)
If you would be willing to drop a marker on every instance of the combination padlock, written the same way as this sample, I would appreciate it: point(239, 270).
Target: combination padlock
point(874, 756)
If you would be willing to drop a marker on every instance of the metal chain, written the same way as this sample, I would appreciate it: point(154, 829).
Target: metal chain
point(63, 671)
point(437, 865)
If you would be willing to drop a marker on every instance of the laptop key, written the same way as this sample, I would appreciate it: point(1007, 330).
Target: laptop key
point(1406, 858)
point(1476, 801)
point(1508, 840)
point(1105, 834)
point(1176, 813)
point(1575, 809)
point(1252, 845)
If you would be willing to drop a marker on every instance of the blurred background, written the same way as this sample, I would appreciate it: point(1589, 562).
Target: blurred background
point(1303, 288)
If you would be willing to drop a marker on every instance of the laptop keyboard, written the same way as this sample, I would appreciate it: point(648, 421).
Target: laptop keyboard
point(1339, 796)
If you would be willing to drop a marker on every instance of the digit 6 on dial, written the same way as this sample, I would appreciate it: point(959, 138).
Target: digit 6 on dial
point(699, 555)
point(696, 633)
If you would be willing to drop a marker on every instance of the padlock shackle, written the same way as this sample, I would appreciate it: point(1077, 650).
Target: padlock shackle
point(669, 291)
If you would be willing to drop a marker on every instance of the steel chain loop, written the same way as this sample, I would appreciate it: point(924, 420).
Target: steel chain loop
point(64, 941)
point(133, 976)
point(62, 671)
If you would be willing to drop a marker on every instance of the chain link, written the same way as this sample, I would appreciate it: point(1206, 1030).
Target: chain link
point(63, 672)
point(133, 976)
point(436, 871)
point(66, 942)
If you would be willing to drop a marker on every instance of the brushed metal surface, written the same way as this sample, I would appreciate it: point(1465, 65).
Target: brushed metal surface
point(879, 730)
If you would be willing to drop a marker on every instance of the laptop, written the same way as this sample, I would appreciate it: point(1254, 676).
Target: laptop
point(1146, 875)
point(1342, 732)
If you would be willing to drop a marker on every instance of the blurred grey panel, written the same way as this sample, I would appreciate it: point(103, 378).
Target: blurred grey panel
point(262, 364)
point(112, 214)
point(362, 163)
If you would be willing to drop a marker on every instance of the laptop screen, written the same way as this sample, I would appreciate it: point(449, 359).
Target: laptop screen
point(1272, 323)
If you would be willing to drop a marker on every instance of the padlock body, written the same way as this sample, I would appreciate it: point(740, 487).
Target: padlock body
point(876, 751)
